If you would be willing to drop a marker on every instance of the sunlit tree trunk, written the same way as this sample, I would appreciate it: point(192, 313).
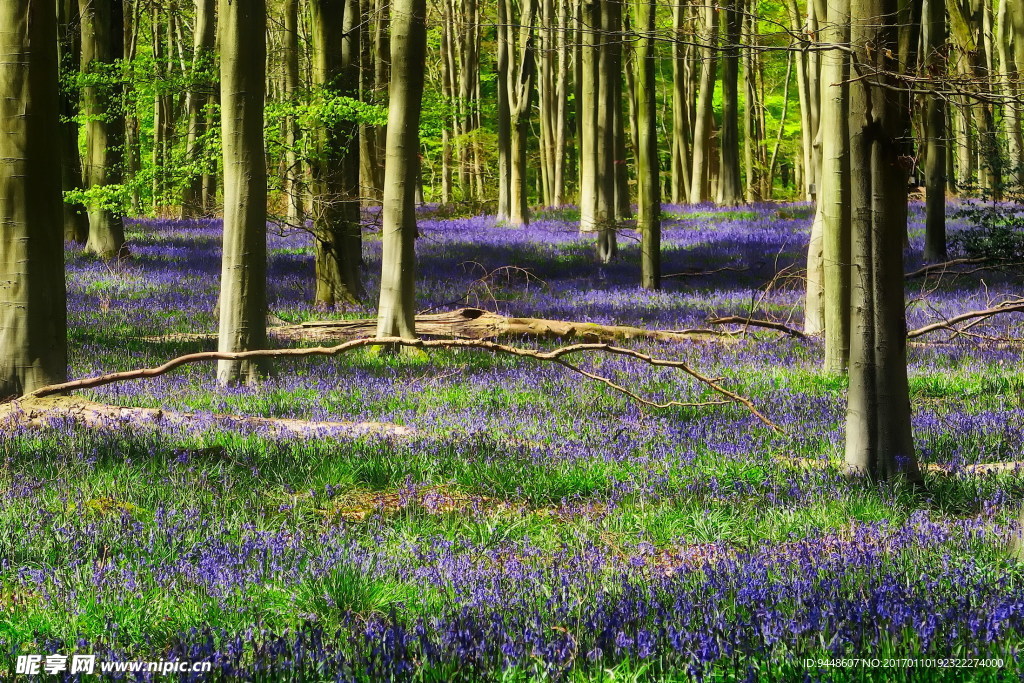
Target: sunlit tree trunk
point(681, 161)
point(243, 285)
point(879, 441)
point(293, 173)
point(33, 321)
point(700, 176)
point(204, 44)
point(648, 176)
point(590, 46)
point(1010, 42)
point(102, 47)
point(396, 311)
point(609, 65)
point(516, 76)
point(833, 209)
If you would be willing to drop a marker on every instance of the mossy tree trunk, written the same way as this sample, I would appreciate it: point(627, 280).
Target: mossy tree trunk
point(243, 287)
point(33, 320)
point(336, 215)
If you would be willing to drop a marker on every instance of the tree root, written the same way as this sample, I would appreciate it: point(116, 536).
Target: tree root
point(46, 412)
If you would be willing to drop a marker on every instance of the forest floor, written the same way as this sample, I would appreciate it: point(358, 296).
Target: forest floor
point(535, 525)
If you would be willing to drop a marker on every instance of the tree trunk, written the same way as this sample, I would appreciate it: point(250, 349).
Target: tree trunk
point(103, 46)
point(201, 85)
point(608, 74)
point(935, 130)
point(700, 176)
point(1011, 29)
point(730, 187)
point(396, 311)
point(294, 189)
point(336, 216)
point(243, 287)
point(648, 178)
point(879, 442)
point(33, 319)
point(69, 45)
point(681, 105)
point(587, 112)
point(516, 78)
point(833, 209)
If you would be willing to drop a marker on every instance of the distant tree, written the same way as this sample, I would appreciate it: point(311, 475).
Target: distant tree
point(516, 66)
point(935, 132)
point(730, 186)
point(102, 51)
point(700, 175)
point(33, 320)
point(396, 310)
point(336, 213)
point(647, 171)
point(243, 286)
point(69, 44)
point(198, 97)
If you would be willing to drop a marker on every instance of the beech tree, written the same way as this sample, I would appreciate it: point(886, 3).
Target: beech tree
point(102, 49)
point(879, 441)
point(396, 309)
point(243, 285)
point(648, 176)
point(33, 327)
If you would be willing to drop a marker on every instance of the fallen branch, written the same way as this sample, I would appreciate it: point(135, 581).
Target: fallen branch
point(757, 322)
point(1006, 307)
point(556, 355)
point(42, 412)
point(700, 273)
point(943, 267)
point(978, 468)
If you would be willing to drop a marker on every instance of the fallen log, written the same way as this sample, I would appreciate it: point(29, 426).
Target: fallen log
point(474, 323)
point(32, 411)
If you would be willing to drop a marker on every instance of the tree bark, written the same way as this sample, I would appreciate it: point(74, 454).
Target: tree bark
point(730, 187)
point(516, 78)
point(700, 176)
point(833, 209)
point(647, 172)
point(935, 129)
point(198, 97)
point(243, 287)
point(396, 311)
point(102, 47)
point(879, 441)
point(294, 188)
point(69, 45)
point(33, 319)
point(336, 214)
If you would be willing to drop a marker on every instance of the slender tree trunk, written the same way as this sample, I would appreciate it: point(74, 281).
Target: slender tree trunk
point(607, 124)
point(102, 47)
point(879, 441)
point(515, 76)
point(243, 286)
point(681, 160)
point(335, 214)
point(293, 172)
point(700, 177)
point(833, 210)
point(730, 187)
point(587, 112)
point(1011, 57)
point(396, 311)
point(204, 44)
point(561, 97)
point(76, 220)
point(648, 179)
point(33, 319)
point(935, 129)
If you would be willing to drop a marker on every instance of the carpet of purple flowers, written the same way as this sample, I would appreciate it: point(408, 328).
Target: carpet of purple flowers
point(536, 526)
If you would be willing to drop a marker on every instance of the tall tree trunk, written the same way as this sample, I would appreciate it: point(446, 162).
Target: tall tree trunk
point(294, 189)
point(700, 176)
point(561, 98)
point(587, 111)
point(201, 86)
point(516, 78)
point(336, 226)
point(879, 441)
point(607, 124)
point(243, 284)
point(102, 47)
point(681, 160)
point(76, 220)
point(1011, 59)
point(648, 179)
point(833, 210)
point(396, 311)
point(33, 319)
point(935, 130)
point(730, 187)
